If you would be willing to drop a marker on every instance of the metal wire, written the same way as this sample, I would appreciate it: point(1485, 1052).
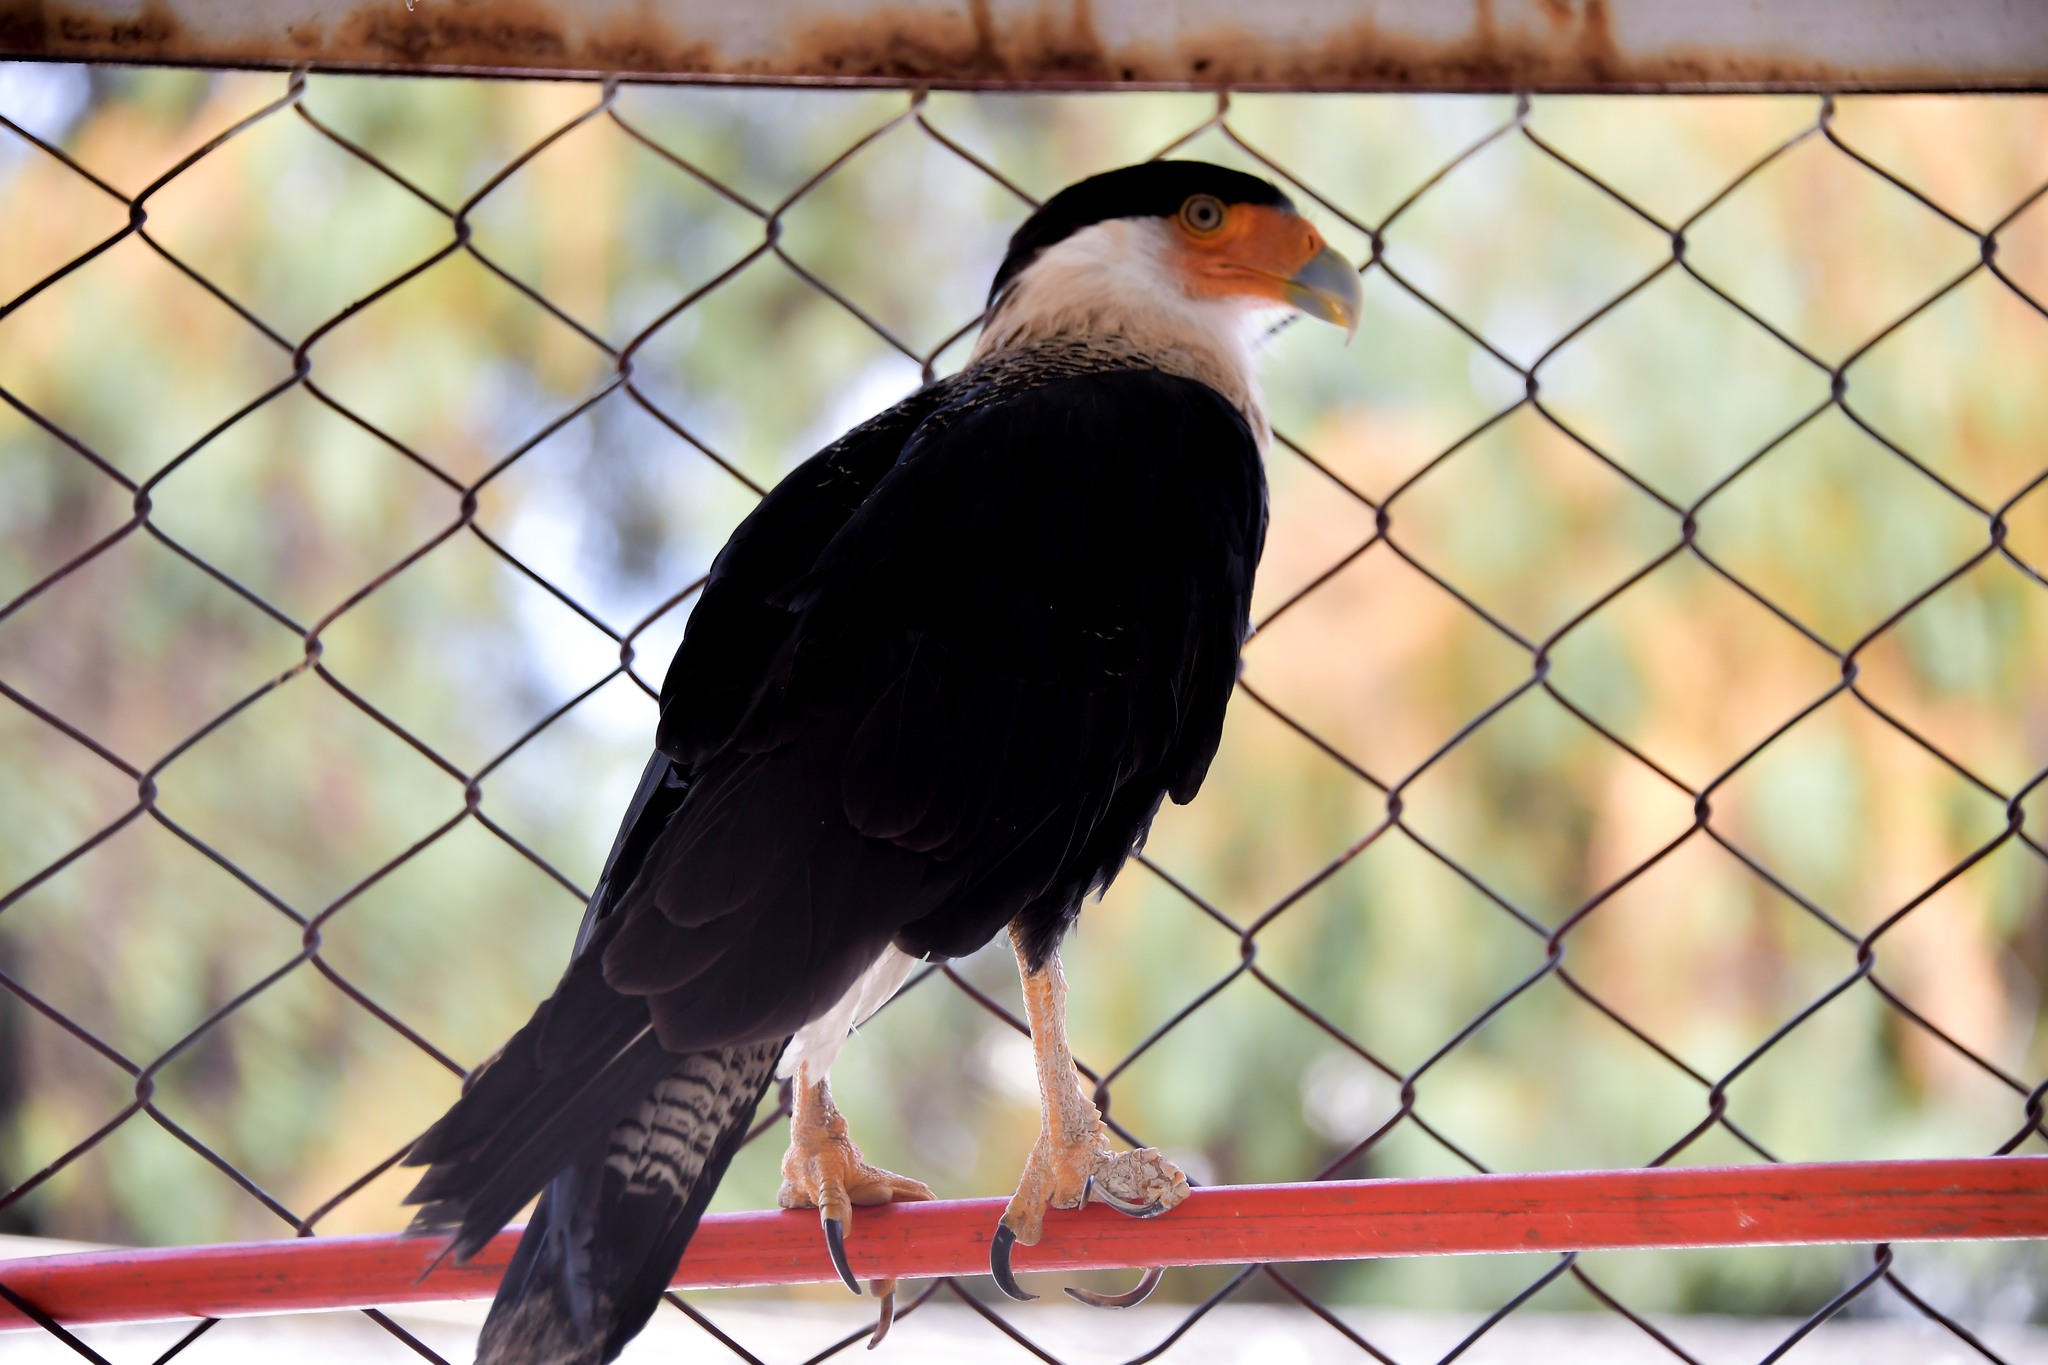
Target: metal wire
point(1861, 949)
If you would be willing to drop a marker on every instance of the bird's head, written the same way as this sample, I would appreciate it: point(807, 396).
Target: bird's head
point(1168, 244)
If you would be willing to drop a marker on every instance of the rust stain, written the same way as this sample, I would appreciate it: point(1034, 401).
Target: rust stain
point(1596, 41)
point(39, 29)
point(514, 34)
point(1059, 44)
point(908, 46)
point(886, 46)
point(494, 35)
point(984, 32)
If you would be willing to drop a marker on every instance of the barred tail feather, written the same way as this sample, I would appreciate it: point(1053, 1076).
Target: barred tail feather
point(610, 1229)
point(541, 1106)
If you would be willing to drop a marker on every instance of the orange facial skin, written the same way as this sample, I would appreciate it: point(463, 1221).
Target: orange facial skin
point(1256, 250)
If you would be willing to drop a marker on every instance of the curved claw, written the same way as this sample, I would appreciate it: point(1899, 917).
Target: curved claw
point(1130, 1298)
point(1089, 1190)
point(835, 1242)
point(999, 1263)
point(885, 1290)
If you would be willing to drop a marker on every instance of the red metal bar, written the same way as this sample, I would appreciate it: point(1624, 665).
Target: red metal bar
point(1874, 1201)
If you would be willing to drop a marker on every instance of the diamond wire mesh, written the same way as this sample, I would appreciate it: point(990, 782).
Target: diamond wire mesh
point(1859, 948)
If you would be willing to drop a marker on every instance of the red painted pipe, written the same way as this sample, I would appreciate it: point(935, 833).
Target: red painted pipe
point(1871, 1201)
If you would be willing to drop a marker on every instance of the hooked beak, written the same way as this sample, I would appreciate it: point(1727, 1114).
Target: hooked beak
point(1328, 288)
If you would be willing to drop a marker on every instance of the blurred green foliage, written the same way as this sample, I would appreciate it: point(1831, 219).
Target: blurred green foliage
point(455, 923)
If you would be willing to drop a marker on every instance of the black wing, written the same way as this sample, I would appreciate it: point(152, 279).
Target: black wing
point(940, 679)
point(983, 686)
point(570, 1100)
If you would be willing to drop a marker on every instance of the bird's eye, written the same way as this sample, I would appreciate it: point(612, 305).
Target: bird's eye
point(1202, 213)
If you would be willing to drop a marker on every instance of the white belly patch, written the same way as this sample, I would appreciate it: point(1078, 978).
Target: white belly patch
point(817, 1043)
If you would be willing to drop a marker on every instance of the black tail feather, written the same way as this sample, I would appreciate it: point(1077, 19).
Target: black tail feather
point(611, 1227)
point(535, 1110)
point(623, 1141)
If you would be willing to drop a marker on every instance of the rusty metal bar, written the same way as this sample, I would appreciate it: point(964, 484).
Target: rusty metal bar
point(1548, 45)
point(1789, 1205)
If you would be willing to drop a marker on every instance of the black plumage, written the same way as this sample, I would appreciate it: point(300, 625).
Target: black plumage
point(941, 679)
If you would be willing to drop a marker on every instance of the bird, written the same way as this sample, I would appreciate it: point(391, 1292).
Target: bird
point(935, 689)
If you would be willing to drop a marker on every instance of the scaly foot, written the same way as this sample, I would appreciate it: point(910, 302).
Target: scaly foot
point(1065, 1174)
point(1071, 1162)
point(823, 1170)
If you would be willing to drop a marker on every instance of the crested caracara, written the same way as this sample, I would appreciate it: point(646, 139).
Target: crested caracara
point(936, 687)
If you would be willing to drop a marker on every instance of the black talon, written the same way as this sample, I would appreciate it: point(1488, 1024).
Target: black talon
point(835, 1242)
point(1151, 1210)
point(888, 1313)
point(999, 1263)
point(1130, 1298)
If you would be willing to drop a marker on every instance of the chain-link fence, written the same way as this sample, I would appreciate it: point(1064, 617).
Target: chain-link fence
point(1639, 760)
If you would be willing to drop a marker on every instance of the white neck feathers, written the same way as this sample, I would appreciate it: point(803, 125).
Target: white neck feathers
point(1114, 281)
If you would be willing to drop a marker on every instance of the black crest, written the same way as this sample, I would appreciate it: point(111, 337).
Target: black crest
point(1152, 189)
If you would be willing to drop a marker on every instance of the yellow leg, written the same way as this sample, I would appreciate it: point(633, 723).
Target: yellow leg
point(1071, 1162)
point(823, 1170)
